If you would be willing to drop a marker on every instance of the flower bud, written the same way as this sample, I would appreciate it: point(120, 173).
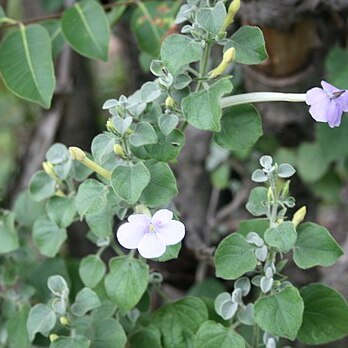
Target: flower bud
point(170, 103)
point(49, 169)
point(64, 320)
point(76, 153)
point(270, 196)
point(110, 126)
point(53, 337)
point(60, 193)
point(299, 216)
point(228, 57)
point(232, 10)
point(119, 151)
point(142, 209)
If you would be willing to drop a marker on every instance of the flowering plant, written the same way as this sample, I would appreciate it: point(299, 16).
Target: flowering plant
point(129, 175)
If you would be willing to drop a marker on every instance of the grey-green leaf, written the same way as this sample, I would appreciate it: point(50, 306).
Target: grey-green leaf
point(249, 44)
point(61, 210)
point(48, 236)
point(202, 109)
point(126, 281)
point(91, 197)
point(26, 64)
point(325, 315)
point(86, 29)
point(177, 51)
point(144, 134)
point(234, 257)
point(41, 319)
point(41, 186)
point(212, 19)
point(91, 270)
point(86, 300)
point(241, 127)
point(129, 181)
point(280, 313)
point(179, 321)
point(256, 204)
point(282, 237)
point(215, 335)
point(315, 247)
point(162, 186)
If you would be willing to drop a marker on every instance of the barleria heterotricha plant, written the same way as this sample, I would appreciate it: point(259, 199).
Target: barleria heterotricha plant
point(127, 174)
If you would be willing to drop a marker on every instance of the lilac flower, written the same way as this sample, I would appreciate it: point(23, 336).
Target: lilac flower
point(151, 235)
point(327, 104)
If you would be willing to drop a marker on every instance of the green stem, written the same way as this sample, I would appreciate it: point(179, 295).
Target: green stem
point(256, 336)
point(203, 65)
point(260, 97)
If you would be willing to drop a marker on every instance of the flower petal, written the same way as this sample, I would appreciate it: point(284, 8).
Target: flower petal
point(129, 235)
point(335, 113)
point(315, 95)
point(171, 233)
point(319, 111)
point(139, 219)
point(343, 99)
point(151, 246)
point(328, 88)
point(162, 216)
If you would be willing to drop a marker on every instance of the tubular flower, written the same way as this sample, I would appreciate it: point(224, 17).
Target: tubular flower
point(327, 103)
point(151, 235)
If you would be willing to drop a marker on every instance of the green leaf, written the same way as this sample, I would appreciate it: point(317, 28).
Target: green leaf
point(86, 29)
point(145, 338)
point(144, 134)
point(337, 67)
point(126, 281)
point(17, 328)
point(212, 19)
point(23, 204)
point(249, 44)
point(167, 123)
point(150, 22)
point(312, 164)
point(71, 342)
point(325, 315)
point(202, 109)
point(256, 203)
point(26, 64)
point(150, 91)
point(56, 36)
point(59, 156)
point(91, 197)
point(214, 335)
point(48, 237)
point(168, 146)
point(8, 234)
point(61, 210)
point(41, 186)
point(179, 321)
point(281, 313)
point(108, 333)
point(315, 247)
point(162, 186)
point(220, 177)
point(101, 223)
point(103, 149)
point(178, 51)
point(129, 181)
point(241, 127)
point(253, 225)
point(91, 270)
point(41, 319)
point(234, 257)
point(282, 237)
point(85, 300)
point(172, 252)
point(333, 141)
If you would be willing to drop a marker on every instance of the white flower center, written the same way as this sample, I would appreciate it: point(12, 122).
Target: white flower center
point(151, 228)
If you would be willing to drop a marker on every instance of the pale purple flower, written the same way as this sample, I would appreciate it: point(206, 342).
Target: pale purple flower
point(327, 104)
point(151, 235)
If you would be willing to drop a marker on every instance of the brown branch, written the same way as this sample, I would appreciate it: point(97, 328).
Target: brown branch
point(60, 14)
